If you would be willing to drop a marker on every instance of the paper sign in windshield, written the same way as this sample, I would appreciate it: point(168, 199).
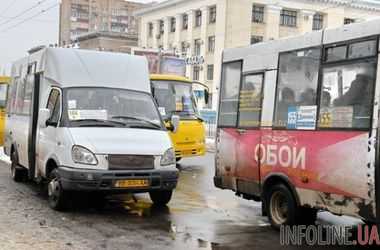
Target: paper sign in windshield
point(76, 114)
point(302, 117)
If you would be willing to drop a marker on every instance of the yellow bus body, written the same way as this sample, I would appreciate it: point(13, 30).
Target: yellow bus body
point(189, 139)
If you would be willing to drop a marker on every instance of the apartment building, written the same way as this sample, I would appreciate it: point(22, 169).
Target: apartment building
point(79, 17)
point(199, 30)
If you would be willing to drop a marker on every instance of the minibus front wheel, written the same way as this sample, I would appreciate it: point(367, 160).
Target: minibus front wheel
point(58, 198)
point(161, 197)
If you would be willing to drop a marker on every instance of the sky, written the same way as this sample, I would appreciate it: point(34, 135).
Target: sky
point(18, 35)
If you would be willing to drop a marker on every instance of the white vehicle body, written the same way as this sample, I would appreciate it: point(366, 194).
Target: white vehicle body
point(53, 72)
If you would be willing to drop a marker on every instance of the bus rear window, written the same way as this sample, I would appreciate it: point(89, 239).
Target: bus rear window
point(230, 94)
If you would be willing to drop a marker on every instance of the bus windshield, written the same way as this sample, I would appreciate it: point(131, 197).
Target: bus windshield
point(175, 97)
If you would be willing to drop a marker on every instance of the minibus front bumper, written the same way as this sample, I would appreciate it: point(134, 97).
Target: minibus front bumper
point(105, 180)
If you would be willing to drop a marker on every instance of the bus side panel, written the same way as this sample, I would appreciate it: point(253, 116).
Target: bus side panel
point(226, 157)
point(330, 169)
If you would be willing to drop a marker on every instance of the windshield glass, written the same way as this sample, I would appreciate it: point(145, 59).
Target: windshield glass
point(110, 108)
point(3, 94)
point(174, 97)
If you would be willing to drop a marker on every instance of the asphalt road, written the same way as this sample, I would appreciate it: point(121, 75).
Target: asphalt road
point(199, 217)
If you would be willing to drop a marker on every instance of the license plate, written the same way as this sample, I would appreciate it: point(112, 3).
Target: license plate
point(131, 183)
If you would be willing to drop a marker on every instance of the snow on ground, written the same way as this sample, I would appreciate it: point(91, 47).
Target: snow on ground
point(3, 157)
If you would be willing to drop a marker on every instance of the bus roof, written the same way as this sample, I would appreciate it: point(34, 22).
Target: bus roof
point(265, 55)
point(161, 77)
point(5, 79)
point(85, 68)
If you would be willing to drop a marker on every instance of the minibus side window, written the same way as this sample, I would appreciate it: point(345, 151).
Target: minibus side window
point(12, 97)
point(250, 100)
point(20, 96)
point(230, 85)
point(297, 89)
point(56, 111)
point(52, 104)
point(347, 95)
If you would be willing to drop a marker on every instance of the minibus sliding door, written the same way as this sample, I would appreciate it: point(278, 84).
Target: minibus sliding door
point(33, 124)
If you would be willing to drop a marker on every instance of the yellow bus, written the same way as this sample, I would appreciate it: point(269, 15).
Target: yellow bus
point(4, 81)
point(174, 96)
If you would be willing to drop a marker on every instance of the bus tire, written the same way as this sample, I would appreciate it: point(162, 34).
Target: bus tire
point(18, 173)
point(58, 198)
point(161, 197)
point(281, 206)
point(178, 159)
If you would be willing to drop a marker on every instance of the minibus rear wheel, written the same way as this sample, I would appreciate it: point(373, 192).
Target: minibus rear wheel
point(58, 198)
point(161, 197)
point(18, 173)
point(281, 206)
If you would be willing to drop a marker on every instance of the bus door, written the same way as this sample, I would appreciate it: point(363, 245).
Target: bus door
point(33, 83)
point(249, 133)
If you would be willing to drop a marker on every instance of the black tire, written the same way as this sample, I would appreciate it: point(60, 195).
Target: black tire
point(18, 173)
point(307, 216)
point(58, 198)
point(281, 206)
point(178, 159)
point(161, 197)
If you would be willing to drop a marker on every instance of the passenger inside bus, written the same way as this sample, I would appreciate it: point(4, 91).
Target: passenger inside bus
point(287, 100)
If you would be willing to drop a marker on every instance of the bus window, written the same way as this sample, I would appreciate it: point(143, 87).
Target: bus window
point(336, 53)
point(346, 100)
point(3, 95)
point(229, 94)
point(297, 82)
point(362, 49)
point(250, 101)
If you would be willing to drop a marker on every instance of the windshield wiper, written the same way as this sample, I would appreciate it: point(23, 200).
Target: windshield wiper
point(104, 122)
point(137, 119)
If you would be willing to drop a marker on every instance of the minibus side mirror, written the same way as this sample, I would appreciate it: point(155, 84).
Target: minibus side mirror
point(175, 123)
point(44, 116)
point(207, 96)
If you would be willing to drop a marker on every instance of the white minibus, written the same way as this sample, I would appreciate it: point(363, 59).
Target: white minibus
point(86, 121)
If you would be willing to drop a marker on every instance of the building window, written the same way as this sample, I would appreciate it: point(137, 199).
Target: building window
point(211, 44)
point(172, 24)
point(257, 14)
point(161, 27)
point(212, 18)
point(349, 20)
point(150, 27)
point(288, 18)
point(318, 21)
point(196, 71)
point(256, 39)
point(210, 72)
point(198, 18)
point(184, 49)
point(185, 21)
point(197, 47)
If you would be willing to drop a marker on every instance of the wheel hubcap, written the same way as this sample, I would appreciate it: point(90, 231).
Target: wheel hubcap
point(54, 190)
point(279, 208)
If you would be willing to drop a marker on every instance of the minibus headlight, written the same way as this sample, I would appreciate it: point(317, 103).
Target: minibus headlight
point(82, 155)
point(168, 157)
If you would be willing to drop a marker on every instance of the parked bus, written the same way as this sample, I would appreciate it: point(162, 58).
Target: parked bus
point(87, 121)
point(298, 124)
point(4, 81)
point(174, 94)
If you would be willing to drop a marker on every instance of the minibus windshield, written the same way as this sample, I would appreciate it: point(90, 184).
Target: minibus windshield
point(107, 107)
point(174, 97)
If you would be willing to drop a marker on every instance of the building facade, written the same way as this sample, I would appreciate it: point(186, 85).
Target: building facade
point(78, 17)
point(199, 30)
